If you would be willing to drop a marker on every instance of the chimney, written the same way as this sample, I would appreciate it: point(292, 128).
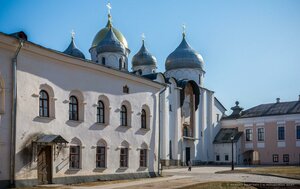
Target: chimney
point(236, 110)
point(277, 100)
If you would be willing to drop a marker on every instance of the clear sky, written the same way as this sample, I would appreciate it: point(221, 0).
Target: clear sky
point(251, 48)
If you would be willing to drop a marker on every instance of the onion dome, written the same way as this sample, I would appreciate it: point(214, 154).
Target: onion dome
point(143, 57)
point(110, 43)
point(184, 57)
point(72, 50)
point(103, 32)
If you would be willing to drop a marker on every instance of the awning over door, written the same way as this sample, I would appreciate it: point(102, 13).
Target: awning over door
point(54, 139)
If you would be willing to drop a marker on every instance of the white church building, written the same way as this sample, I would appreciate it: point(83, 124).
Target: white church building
point(67, 119)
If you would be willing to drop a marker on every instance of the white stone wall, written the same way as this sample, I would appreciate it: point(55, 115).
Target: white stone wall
point(6, 55)
point(38, 67)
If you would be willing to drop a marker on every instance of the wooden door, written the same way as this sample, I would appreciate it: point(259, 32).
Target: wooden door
point(44, 167)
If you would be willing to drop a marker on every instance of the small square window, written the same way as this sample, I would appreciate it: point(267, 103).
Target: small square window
point(217, 157)
point(125, 89)
point(286, 158)
point(226, 158)
point(170, 107)
point(275, 157)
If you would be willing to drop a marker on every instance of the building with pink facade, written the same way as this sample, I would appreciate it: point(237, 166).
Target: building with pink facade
point(264, 134)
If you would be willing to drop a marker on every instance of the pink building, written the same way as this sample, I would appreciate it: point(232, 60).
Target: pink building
point(271, 133)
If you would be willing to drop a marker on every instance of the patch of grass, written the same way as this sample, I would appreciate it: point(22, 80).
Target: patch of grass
point(285, 171)
point(219, 185)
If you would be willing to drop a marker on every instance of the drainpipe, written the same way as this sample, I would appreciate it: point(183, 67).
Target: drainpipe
point(159, 126)
point(14, 114)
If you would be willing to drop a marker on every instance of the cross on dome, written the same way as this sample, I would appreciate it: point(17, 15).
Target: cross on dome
point(108, 5)
point(72, 34)
point(143, 37)
point(183, 29)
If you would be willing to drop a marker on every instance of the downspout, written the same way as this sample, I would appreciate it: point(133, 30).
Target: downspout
point(14, 114)
point(159, 126)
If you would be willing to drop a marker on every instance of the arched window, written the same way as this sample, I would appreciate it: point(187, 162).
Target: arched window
point(143, 119)
point(100, 112)
point(123, 116)
point(44, 104)
point(103, 60)
point(185, 131)
point(73, 108)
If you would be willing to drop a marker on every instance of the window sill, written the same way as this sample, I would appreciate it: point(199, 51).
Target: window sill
point(74, 169)
point(102, 124)
point(100, 168)
point(127, 126)
point(75, 121)
point(145, 129)
point(46, 118)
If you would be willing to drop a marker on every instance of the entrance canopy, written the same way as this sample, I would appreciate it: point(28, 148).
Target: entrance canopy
point(46, 139)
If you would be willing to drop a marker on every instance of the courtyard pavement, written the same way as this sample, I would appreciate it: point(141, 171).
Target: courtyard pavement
point(176, 178)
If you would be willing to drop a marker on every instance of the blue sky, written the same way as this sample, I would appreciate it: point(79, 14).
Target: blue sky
point(251, 48)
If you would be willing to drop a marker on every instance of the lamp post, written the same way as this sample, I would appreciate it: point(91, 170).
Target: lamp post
point(232, 165)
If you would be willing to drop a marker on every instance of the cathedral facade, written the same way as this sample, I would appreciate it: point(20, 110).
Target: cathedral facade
point(67, 119)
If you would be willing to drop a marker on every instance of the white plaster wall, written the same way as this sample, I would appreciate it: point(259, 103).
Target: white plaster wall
point(6, 54)
point(64, 76)
point(112, 59)
point(222, 150)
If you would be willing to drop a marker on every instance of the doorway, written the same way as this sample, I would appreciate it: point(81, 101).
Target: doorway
point(44, 165)
point(187, 155)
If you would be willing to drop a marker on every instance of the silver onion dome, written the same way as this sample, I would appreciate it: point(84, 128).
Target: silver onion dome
point(110, 43)
point(184, 57)
point(72, 50)
point(143, 57)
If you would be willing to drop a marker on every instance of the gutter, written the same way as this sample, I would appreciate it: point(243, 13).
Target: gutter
point(159, 126)
point(14, 114)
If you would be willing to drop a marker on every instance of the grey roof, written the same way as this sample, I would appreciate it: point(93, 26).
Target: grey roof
point(51, 139)
point(184, 57)
point(224, 135)
point(279, 108)
point(110, 43)
point(72, 50)
point(143, 57)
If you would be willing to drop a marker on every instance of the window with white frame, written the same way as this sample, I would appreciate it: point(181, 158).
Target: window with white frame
point(261, 134)
point(281, 133)
point(248, 134)
point(286, 158)
point(275, 158)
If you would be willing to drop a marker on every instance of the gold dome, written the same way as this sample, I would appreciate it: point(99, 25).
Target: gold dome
point(102, 33)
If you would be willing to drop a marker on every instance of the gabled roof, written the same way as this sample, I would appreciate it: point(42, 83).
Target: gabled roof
point(224, 135)
point(271, 109)
point(279, 108)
